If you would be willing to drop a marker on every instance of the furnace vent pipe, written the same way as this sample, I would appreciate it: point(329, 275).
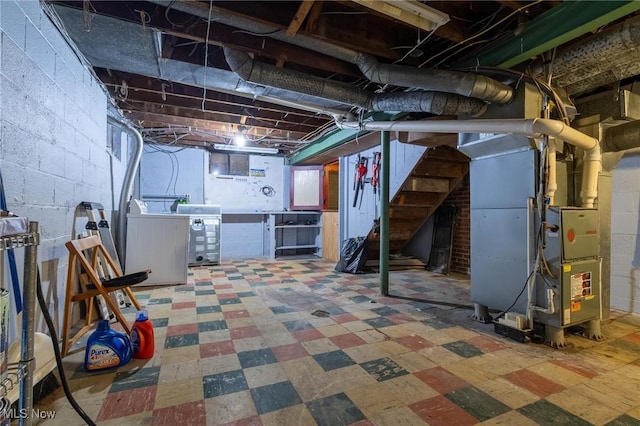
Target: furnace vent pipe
point(476, 86)
point(127, 184)
point(531, 127)
point(268, 75)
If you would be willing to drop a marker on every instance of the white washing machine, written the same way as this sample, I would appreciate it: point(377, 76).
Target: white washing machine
point(204, 235)
point(159, 242)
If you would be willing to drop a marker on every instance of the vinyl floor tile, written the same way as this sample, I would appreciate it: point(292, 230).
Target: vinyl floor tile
point(264, 342)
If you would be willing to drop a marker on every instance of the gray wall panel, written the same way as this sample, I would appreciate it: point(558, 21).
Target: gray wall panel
point(505, 181)
point(499, 253)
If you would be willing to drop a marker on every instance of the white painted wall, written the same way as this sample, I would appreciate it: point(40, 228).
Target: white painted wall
point(359, 220)
point(52, 138)
point(625, 228)
point(245, 193)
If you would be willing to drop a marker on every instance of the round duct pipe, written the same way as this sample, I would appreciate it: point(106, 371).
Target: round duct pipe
point(127, 184)
point(477, 86)
point(622, 137)
point(432, 102)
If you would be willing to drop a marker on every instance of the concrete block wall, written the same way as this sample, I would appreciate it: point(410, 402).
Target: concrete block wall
point(187, 167)
point(53, 128)
point(625, 230)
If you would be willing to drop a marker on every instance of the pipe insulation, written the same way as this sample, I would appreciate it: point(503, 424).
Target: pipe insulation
point(268, 75)
point(533, 127)
point(464, 84)
point(127, 184)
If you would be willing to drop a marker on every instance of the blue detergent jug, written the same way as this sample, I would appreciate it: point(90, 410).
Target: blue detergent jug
point(106, 348)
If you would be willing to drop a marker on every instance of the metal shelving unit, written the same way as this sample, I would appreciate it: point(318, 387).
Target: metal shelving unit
point(296, 233)
point(22, 372)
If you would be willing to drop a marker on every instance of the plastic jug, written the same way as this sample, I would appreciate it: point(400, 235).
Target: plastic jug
point(142, 339)
point(106, 348)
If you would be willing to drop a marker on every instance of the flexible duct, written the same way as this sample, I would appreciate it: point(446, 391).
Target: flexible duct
point(268, 75)
point(622, 137)
point(476, 86)
point(470, 85)
point(127, 184)
point(533, 127)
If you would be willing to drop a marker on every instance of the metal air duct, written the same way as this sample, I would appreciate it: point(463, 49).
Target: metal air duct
point(465, 84)
point(611, 55)
point(268, 75)
point(127, 183)
point(472, 85)
point(622, 137)
point(124, 46)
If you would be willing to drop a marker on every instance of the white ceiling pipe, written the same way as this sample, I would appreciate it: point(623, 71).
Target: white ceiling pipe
point(533, 127)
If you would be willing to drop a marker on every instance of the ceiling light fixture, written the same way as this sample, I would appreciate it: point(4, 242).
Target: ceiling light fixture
point(250, 149)
point(410, 12)
point(240, 140)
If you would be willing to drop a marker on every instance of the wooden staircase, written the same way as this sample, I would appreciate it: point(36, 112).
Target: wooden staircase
point(435, 176)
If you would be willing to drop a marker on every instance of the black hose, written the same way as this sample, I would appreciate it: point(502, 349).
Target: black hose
point(56, 350)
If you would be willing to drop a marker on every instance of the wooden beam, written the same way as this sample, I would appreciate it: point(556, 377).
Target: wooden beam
point(192, 96)
point(281, 60)
point(158, 115)
point(314, 15)
point(511, 4)
point(298, 19)
point(223, 35)
point(193, 111)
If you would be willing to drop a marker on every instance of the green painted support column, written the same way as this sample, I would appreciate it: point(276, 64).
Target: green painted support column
point(384, 213)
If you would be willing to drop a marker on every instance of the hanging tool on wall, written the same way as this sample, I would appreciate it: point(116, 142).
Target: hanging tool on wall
point(361, 173)
point(355, 176)
point(375, 171)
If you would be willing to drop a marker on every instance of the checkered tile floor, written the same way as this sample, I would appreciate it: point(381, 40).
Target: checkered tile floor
point(295, 343)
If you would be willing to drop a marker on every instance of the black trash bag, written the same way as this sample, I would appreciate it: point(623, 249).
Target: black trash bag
point(353, 256)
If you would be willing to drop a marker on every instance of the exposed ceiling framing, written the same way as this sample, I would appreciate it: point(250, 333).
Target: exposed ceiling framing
point(159, 79)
